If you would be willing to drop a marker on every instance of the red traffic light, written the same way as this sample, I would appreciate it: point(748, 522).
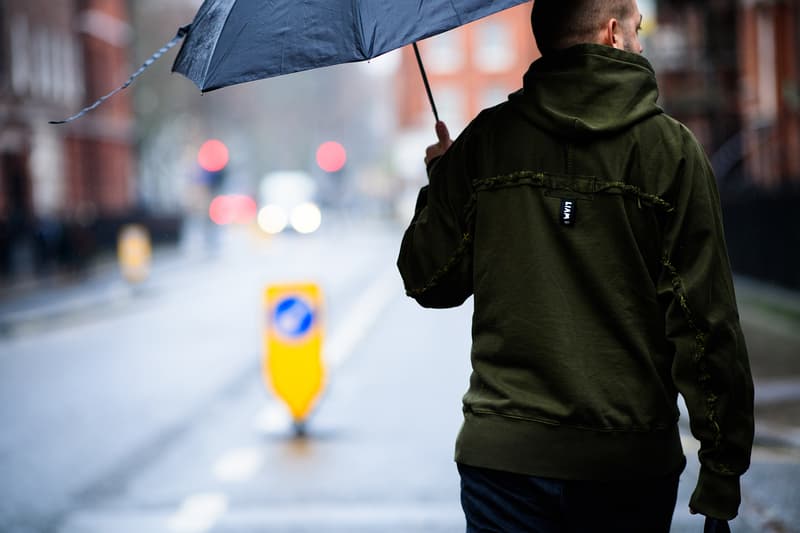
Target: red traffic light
point(213, 155)
point(331, 156)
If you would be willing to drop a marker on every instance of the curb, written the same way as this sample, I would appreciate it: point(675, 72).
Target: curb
point(102, 288)
point(15, 322)
point(776, 436)
point(769, 307)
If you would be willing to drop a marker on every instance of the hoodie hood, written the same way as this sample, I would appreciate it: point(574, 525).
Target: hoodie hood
point(588, 90)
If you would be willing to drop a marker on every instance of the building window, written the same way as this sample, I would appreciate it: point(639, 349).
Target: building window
point(73, 77)
point(444, 54)
point(3, 46)
point(494, 47)
point(42, 52)
point(451, 103)
point(20, 48)
point(493, 95)
point(42, 63)
point(669, 49)
point(767, 75)
point(57, 53)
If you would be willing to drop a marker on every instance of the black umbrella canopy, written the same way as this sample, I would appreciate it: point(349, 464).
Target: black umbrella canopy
point(236, 41)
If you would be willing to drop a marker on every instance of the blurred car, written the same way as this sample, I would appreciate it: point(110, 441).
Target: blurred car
point(288, 201)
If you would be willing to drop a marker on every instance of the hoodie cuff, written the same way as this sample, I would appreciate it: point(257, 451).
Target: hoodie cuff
point(716, 495)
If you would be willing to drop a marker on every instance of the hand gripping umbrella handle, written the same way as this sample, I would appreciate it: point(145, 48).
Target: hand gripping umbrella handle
point(180, 35)
point(425, 81)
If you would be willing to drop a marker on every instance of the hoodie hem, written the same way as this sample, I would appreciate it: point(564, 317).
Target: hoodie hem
point(561, 452)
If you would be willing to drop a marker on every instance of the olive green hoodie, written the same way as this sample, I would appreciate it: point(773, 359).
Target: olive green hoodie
point(586, 223)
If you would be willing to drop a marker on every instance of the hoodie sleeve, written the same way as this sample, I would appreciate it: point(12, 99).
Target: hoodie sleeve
point(435, 258)
point(711, 368)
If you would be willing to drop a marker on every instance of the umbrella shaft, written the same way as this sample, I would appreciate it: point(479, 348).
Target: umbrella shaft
point(425, 81)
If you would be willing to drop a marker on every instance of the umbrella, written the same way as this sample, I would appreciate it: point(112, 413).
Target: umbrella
point(237, 41)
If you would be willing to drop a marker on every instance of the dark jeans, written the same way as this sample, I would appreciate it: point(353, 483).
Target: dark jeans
point(503, 502)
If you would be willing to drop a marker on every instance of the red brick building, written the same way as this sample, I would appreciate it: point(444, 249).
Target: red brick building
point(55, 57)
point(731, 72)
point(769, 40)
point(469, 68)
point(692, 46)
point(728, 69)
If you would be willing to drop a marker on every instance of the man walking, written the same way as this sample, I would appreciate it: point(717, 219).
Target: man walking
point(586, 223)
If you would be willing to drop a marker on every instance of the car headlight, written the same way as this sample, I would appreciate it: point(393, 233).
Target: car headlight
point(306, 218)
point(272, 219)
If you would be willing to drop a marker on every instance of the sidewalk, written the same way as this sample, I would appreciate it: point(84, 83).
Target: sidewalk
point(36, 303)
point(771, 322)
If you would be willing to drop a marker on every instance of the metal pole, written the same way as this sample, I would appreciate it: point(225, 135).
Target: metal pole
point(425, 81)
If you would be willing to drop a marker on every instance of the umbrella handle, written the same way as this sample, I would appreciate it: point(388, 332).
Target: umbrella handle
point(425, 81)
point(180, 35)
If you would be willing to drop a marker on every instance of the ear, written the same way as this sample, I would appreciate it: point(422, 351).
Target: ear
point(609, 37)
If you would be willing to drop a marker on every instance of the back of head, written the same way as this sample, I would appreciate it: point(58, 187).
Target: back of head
point(559, 24)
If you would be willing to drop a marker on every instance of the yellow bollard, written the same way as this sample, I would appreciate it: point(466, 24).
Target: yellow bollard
point(292, 364)
point(134, 253)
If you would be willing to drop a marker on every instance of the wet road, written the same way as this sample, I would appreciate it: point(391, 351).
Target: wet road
point(148, 414)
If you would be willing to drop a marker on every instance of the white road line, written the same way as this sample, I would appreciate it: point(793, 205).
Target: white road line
point(360, 317)
point(239, 465)
point(198, 513)
point(410, 516)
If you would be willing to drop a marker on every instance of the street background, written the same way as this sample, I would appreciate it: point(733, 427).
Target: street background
point(144, 410)
point(131, 389)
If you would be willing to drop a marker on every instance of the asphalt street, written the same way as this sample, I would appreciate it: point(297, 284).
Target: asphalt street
point(144, 410)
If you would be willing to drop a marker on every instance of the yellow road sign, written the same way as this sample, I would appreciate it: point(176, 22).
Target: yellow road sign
point(134, 252)
point(293, 365)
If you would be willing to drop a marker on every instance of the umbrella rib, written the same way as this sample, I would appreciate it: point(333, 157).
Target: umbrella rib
point(226, 53)
point(216, 43)
point(455, 10)
point(360, 22)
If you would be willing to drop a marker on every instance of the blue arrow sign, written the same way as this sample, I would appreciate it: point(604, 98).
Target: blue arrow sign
point(293, 317)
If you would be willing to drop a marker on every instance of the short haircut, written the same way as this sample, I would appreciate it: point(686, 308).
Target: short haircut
point(560, 24)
